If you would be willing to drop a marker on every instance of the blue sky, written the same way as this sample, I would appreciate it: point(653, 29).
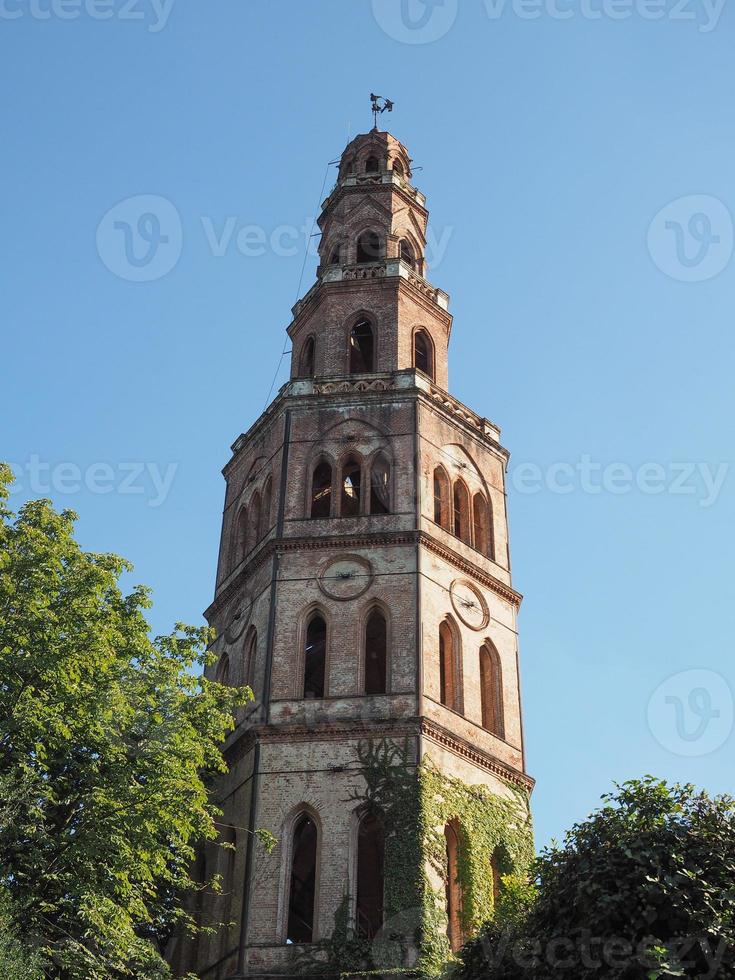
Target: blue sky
point(591, 324)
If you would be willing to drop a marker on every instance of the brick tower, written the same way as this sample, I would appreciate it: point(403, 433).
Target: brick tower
point(364, 593)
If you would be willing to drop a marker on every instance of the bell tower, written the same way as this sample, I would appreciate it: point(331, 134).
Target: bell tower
point(364, 593)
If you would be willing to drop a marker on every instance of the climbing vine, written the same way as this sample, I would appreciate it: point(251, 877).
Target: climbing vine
point(417, 801)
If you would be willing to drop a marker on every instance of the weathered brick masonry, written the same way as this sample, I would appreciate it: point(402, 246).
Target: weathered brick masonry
point(419, 554)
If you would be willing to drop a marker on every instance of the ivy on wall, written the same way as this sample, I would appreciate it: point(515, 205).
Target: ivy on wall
point(417, 801)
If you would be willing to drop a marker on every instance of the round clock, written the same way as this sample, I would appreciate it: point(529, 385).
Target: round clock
point(346, 577)
point(469, 604)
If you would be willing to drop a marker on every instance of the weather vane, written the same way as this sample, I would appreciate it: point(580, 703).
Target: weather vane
point(380, 105)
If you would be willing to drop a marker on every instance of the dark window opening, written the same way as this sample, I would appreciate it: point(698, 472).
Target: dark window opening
point(362, 348)
point(376, 644)
point(315, 656)
point(351, 482)
point(254, 511)
point(423, 353)
point(321, 491)
point(368, 248)
point(407, 255)
point(223, 670)
point(441, 498)
point(303, 883)
point(380, 487)
point(372, 165)
point(447, 668)
point(306, 368)
point(370, 876)
point(336, 257)
point(455, 930)
point(462, 512)
point(398, 168)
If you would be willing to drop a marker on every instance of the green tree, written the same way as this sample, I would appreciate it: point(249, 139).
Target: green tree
point(644, 888)
point(107, 739)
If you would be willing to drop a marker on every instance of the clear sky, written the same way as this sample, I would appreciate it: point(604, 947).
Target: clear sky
point(593, 326)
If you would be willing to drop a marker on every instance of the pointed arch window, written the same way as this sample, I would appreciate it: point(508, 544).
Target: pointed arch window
point(368, 248)
point(407, 254)
point(306, 365)
point(372, 165)
point(315, 657)
point(351, 487)
point(491, 690)
point(251, 651)
point(321, 490)
point(241, 540)
point(265, 508)
point(441, 498)
point(362, 348)
point(462, 512)
point(302, 885)
point(370, 875)
point(223, 670)
point(449, 672)
point(254, 530)
point(481, 527)
point(423, 353)
point(398, 168)
point(335, 257)
point(376, 653)
point(455, 930)
point(380, 486)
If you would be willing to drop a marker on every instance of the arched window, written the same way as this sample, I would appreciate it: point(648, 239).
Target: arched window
point(462, 511)
point(362, 348)
point(222, 675)
point(481, 525)
point(251, 651)
point(241, 541)
point(491, 690)
point(398, 168)
point(265, 508)
point(306, 364)
point(368, 247)
point(407, 253)
point(449, 669)
point(315, 657)
point(441, 498)
point(302, 887)
point(351, 483)
point(254, 530)
point(321, 491)
point(423, 353)
point(335, 257)
point(380, 486)
point(455, 930)
point(376, 653)
point(372, 165)
point(370, 875)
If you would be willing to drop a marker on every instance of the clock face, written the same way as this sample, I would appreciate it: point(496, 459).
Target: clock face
point(469, 604)
point(346, 577)
point(238, 617)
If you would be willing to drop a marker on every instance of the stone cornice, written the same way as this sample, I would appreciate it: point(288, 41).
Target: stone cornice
point(460, 746)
